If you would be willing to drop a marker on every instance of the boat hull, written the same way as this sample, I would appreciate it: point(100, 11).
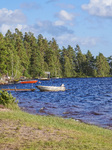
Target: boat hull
point(31, 81)
point(51, 88)
point(19, 90)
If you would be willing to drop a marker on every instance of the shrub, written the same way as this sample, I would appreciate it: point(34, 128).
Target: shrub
point(8, 100)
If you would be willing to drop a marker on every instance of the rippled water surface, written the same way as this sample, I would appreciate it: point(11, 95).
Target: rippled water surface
point(86, 99)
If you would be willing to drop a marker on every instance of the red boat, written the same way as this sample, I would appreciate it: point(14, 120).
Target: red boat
point(31, 81)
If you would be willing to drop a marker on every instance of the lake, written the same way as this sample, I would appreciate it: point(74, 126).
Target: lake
point(86, 99)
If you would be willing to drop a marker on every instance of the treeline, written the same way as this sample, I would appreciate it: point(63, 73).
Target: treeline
point(26, 55)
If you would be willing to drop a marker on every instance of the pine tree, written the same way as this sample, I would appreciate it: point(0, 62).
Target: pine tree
point(102, 66)
point(90, 64)
point(21, 52)
point(109, 59)
point(41, 50)
point(67, 65)
point(28, 56)
point(80, 62)
point(3, 56)
point(35, 64)
point(55, 54)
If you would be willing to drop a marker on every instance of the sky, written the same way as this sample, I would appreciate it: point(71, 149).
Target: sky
point(87, 23)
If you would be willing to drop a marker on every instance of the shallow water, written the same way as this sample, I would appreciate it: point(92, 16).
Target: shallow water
point(86, 99)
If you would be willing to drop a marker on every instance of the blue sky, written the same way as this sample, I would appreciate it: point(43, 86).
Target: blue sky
point(85, 22)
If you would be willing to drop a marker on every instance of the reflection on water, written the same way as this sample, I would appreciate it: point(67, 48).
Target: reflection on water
point(86, 99)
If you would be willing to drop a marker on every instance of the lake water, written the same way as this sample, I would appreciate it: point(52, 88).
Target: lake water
point(86, 99)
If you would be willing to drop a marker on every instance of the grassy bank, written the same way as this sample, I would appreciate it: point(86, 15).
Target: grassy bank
point(23, 131)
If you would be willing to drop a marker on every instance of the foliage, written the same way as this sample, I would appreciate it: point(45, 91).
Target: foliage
point(8, 100)
point(102, 66)
point(109, 59)
point(26, 55)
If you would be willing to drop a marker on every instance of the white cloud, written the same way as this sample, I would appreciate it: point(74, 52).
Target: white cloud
point(99, 8)
point(71, 39)
point(59, 23)
point(66, 6)
point(64, 15)
point(51, 28)
point(21, 27)
point(28, 6)
point(4, 28)
point(9, 20)
point(88, 41)
point(50, 1)
point(11, 17)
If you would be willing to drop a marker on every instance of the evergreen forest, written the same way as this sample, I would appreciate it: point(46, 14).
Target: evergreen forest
point(26, 55)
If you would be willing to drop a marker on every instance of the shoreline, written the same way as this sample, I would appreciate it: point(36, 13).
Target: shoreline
point(77, 120)
point(28, 111)
point(21, 130)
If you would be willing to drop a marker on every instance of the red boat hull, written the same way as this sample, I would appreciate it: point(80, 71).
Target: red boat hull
point(31, 81)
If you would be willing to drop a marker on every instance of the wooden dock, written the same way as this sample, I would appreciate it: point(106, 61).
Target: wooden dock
point(18, 90)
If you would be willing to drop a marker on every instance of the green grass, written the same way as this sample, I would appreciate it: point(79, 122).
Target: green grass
point(23, 131)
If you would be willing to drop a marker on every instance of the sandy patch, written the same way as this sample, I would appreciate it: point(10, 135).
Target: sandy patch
point(4, 109)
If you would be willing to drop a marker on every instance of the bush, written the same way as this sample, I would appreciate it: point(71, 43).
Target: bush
point(8, 100)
